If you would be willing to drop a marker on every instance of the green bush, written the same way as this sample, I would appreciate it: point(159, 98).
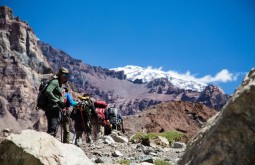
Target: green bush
point(161, 162)
point(137, 138)
point(171, 136)
point(125, 162)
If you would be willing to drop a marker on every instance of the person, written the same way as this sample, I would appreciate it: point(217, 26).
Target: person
point(99, 122)
point(114, 120)
point(82, 119)
point(56, 101)
point(65, 114)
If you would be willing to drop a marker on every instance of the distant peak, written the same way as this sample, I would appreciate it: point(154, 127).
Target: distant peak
point(183, 81)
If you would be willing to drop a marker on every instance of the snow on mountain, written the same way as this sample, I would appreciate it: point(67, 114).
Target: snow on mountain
point(183, 81)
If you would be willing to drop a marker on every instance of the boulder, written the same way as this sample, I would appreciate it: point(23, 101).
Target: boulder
point(178, 145)
point(228, 138)
point(119, 139)
point(158, 141)
point(32, 147)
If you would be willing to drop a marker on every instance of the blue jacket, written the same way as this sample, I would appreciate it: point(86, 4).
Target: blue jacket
point(70, 100)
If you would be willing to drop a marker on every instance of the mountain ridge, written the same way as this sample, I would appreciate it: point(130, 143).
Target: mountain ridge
point(145, 75)
point(115, 88)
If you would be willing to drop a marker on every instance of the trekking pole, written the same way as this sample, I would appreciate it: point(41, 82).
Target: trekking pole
point(74, 136)
point(69, 122)
point(117, 122)
point(61, 127)
point(98, 129)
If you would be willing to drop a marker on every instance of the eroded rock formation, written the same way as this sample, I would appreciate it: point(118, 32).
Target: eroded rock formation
point(228, 138)
point(22, 65)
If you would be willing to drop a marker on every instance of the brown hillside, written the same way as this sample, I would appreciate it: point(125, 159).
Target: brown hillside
point(180, 116)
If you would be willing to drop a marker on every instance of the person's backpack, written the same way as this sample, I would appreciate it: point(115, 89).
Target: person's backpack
point(100, 106)
point(113, 115)
point(42, 99)
point(101, 116)
point(82, 108)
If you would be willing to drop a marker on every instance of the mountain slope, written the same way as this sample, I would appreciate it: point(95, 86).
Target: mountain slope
point(180, 116)
point(130, 97)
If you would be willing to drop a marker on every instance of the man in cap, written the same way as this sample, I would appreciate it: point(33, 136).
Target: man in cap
point(56, 100)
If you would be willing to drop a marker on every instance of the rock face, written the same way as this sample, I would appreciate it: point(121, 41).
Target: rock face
point(213, 97)
point(179, 116)
point(37, 148)
point(22, 65)
point(229, 137)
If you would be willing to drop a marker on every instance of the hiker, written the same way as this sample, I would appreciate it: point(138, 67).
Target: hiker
point(81, 115)
point(55, 100)
point(99, 122)
point(114, 120)
point(66, 114)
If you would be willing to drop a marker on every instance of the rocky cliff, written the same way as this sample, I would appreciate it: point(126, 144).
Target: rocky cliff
point(22, 66)
point(228, 138)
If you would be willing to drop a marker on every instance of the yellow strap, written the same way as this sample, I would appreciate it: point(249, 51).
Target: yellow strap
point(83, 98)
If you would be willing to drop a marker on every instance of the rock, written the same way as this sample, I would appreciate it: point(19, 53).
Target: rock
point(148, 159)
point(153, 154)
point(117, 154)
point(178, 145)
point(32, 147)
point(103, 160)
point(141, 147)
point(228, 138)
point(119, 139)
point(159, 141)
point(108, 140)
point(145, 163)
point(7, 130)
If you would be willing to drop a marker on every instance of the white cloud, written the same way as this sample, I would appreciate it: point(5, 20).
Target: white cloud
point(223, 76)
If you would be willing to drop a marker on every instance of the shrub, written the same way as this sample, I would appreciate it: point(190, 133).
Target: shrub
point(171, 136)
point(161, 162)
point(137, 138)
point(125, 162)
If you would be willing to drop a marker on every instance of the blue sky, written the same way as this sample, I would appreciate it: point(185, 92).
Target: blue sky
point(201, 38)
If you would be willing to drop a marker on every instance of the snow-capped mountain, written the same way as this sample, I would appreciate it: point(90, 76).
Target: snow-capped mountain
point(185, 81)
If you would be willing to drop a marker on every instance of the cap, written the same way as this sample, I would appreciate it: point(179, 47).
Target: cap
point(63, 70)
